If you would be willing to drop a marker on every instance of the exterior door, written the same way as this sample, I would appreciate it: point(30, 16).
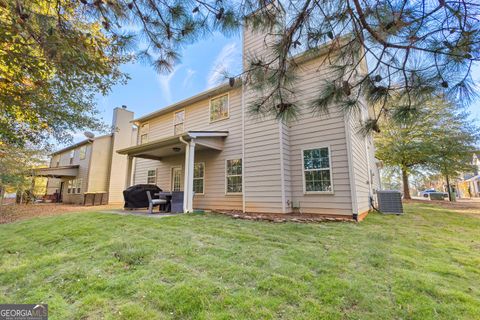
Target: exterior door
point(177, 179)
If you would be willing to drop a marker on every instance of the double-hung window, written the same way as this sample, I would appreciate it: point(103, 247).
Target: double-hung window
point(199, 178)
point(72, 155)
point(219, 108)
point(82, 152)
point(317, 171)
point(75, 186)
point(234, 176)
point(144, 128)
point(152, 176)
point(78, 185)
point(178, 121)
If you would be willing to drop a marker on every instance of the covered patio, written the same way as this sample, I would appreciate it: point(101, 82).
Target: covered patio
point(61, 172)
point(186, 143)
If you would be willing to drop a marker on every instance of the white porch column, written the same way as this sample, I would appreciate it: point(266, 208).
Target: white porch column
point(188, 182)
point(128, 178)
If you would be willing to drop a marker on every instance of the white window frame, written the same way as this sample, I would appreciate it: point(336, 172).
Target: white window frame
point(71, 156)
point(154, 176)
point(210, 107)
point(143, 130)
point(203, 178)
point(182, 123)
point(172, 186)
point(82, 154)
point(329, 168)
point(226, 177)
point(74, 186)
point(79, 185)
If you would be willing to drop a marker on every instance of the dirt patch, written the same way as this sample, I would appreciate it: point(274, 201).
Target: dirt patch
point(10, 213)
point(281, 217)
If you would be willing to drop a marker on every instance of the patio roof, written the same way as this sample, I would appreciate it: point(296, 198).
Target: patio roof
point(165, 147)
point(70, 171)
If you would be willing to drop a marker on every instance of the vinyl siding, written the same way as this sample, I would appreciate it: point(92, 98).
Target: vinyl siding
point(272, 151)
point(98, 177)
point(360, 158)
point(122, 138)
point(82, 173)
point(197, 117)
point(311, 131)
point(265, 191)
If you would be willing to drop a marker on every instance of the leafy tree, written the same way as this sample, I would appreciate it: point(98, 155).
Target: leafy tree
point(407, 143)
point(455, 143)
point(411, 47)
point(55, 54)
point(16, 165)
point(54, 58)
point(421, 137)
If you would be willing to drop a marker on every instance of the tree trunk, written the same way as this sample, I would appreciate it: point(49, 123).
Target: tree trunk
point(448, 188)
point(2, 194)
point(406, 190)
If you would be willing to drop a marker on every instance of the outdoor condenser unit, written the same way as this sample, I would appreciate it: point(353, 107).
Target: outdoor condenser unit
point(390, 202)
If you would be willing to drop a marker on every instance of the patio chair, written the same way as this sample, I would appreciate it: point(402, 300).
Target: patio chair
point(154, 202)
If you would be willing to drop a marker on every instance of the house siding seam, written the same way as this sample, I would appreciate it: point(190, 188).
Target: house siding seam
point(262, 176)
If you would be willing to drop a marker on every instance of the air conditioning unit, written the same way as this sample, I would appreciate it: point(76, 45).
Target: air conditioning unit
point(389, 202)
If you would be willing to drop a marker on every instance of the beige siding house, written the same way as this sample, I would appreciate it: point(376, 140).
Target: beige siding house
point(223, 158)
point(91, 172)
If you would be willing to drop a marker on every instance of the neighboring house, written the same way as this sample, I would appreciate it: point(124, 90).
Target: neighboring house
point(470, 184)
point(91, 170)
point(210, 147)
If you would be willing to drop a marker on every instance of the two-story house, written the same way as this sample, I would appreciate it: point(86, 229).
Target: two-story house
point(211, 147)
point(91, 172)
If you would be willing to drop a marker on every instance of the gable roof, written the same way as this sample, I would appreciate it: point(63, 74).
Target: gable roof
point(73, 146)
point(79, 144)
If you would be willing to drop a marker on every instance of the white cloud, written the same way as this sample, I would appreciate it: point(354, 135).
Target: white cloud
point(225, 62)
point(164, 82)
point(188, 77)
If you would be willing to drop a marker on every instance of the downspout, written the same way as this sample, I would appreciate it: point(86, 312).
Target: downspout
point(186, 178)
point(351, 171)
point(243, 148)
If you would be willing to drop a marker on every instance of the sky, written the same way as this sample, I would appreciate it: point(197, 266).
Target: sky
point(201, 67)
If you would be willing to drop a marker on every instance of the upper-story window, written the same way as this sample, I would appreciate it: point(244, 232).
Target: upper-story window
point(72, 155)
point(82, 152)
point(317, 171)
point(219, 108)
point(178, 121)
point(144, 129)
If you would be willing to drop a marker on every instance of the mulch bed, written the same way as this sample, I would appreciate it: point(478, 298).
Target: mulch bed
point(282, 217)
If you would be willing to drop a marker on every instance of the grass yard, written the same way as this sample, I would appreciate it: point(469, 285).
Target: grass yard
point(424, 265)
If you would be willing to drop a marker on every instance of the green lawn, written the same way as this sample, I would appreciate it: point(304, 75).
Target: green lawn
point(424, 265)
